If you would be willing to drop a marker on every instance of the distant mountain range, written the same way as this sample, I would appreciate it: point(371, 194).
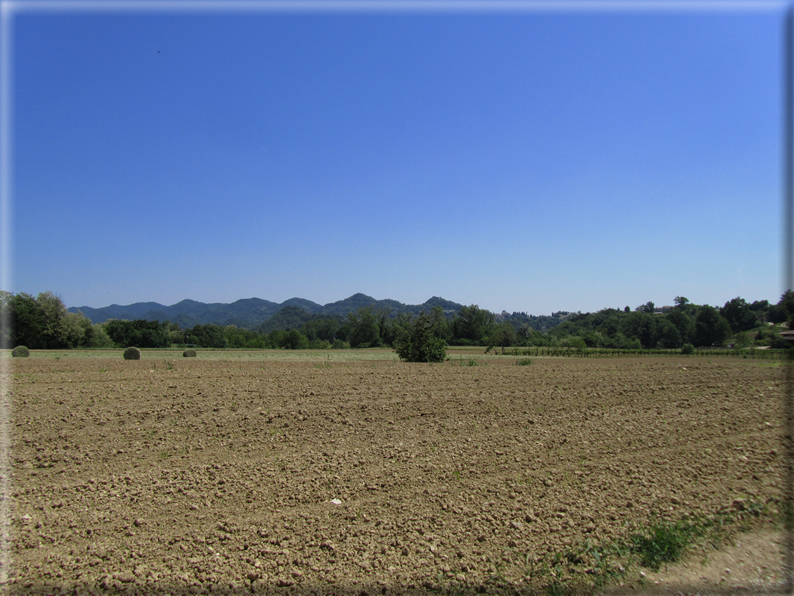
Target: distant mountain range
point(249, 312)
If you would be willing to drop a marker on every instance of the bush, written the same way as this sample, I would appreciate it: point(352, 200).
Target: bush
point(189, 353)
point(132, 354)
point(20, 352)
point(687, 349)
point(523, 362)
point(417, 341)
point(340, 345)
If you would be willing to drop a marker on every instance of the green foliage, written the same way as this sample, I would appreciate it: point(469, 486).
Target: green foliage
point(132, 354)
point(472, 323)
point(363, 328)
point(575, 342)
point(503, 334)
point(20, 352)
point(663, 542)
point(144, 334)
point(418, 340)
point(289, 340)
point(687, 349)
point(189, 353)
point(739, 315)
point(711, 328)
point(323, 329)
point(743, 340)
point(208, 336)
point(523, 362)
point(243, 338)
point(340, 344)
point(470, 362)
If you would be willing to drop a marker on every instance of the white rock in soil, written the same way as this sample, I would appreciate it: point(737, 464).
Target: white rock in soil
point(336, 501)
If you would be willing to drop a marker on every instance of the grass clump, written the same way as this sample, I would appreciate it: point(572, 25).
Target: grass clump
point(189, 353)
point(523, 362)
point(132, 354)
point(20, 352)
point(469, 362)
point(664, 542)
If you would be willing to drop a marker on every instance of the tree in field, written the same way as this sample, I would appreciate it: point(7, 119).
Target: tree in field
point(418, 340)
point(503, 334)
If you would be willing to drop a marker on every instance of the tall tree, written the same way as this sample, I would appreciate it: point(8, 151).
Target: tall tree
point(472, 323)
point(711, 328)
point(739, 315)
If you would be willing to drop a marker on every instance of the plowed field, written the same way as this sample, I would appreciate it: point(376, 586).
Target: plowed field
point(197, 475)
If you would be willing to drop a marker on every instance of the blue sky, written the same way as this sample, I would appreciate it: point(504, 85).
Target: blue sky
point(526, 161)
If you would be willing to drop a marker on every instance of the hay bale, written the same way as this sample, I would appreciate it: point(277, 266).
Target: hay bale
point(132, 354)
point(20, 352)
point(189, 353)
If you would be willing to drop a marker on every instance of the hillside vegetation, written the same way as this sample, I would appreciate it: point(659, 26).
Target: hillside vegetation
point(43, 322)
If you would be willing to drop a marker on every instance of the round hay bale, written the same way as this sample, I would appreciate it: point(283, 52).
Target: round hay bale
point(20, 352)
point(189, 353)
point(132, 354)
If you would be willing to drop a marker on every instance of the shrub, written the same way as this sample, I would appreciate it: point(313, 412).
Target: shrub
point(687, 349)
point(524, 362)
point(340, 345)
point(189, 353)
point(417, 341)
point(20, 352)
point(664, 542)
point(132, 354)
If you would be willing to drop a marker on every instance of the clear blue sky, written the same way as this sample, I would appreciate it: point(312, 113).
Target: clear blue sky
point(519, 161)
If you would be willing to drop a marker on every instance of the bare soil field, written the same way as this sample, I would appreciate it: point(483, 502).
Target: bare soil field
point(328, 475)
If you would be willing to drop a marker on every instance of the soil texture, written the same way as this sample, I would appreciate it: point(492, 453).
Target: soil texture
point(221, 475)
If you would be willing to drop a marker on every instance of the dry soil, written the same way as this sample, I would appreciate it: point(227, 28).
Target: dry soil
point(181, 475)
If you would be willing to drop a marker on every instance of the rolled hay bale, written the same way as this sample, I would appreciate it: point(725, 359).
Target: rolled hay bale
point(189, 353)
point(20, 352)
point(132, 354)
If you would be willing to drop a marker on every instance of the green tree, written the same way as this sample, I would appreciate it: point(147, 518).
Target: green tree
point(362, 328)
point(418, 340)
point(54, 334)
point(711, 328)
point(739, 315)
point(472, 323)
point(683, 322)
point(503, 334)
point(27, 322)
point(208, 336)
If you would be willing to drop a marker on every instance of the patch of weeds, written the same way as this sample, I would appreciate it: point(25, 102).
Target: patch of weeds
point(664, 542)
point(103, 369)
point(169, 365)
point(469, 362)
point(165, 455)
point(325, 363)
point(523, 362)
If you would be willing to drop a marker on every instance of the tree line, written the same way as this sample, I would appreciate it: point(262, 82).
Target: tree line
point(43, 322)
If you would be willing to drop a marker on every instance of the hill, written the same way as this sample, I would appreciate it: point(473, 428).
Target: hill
point(251, 313)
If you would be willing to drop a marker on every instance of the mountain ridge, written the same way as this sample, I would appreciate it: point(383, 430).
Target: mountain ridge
point(249, 312)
